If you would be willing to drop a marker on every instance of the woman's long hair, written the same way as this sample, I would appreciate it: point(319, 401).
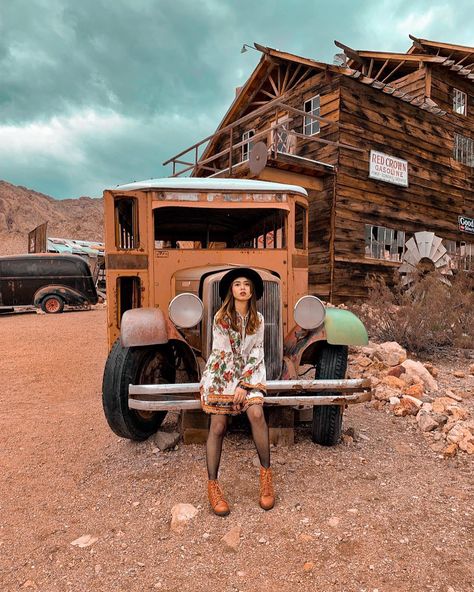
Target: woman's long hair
point(227, 312)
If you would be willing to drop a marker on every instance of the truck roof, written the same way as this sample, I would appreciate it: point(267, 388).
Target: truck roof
point(210, 184)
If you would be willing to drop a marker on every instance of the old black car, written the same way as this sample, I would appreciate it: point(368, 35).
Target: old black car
point(45, 280)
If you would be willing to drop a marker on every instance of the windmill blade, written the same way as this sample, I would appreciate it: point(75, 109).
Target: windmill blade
point(424, 240)
point(436, 243)
point(440, 252)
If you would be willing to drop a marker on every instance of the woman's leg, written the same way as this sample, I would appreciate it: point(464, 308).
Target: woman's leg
point(217, 430)
point(260, 433)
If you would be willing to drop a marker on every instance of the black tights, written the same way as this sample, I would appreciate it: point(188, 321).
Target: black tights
point(217, 431)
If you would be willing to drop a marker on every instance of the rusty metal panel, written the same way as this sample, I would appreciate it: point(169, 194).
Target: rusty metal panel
point(37, 239)
point(126, 261)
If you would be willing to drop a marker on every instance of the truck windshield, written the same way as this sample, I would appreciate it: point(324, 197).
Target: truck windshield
point(219, 228)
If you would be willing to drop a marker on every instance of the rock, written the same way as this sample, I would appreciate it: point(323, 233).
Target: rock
point(390, 353)
point(262, 540)
point(427, 407)
point(406, 407)
point(471, 369)
point(86, 540)
point(377, 404)
point(458, 433)
point(393, 382)
point(181, 514)
point(166, 440)
point(307, 538)
point(450, 451)
point(396, 371)
point(431, 369)
point(440, 404)
point(425, 421)
point(467, 445)
point(453, 396)
point(415, 390)
point(347, 440)
point(419, 373)
point(394, 400)
point(363, 362)
point(334, 521)
point(457, 413)
point(308, 566)
point(414, 400)
point(231, 539)
point(459, 374)
point(383, 392)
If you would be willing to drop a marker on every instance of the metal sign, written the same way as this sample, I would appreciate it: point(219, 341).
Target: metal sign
point(390, 169)
point(37, 239)
point(466, 224)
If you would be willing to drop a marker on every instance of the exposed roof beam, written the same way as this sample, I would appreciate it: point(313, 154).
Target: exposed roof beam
point(351, 53)
point(437, 44)
point(409, 57)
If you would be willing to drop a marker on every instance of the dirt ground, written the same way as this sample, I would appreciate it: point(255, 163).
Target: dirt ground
point(384, 514)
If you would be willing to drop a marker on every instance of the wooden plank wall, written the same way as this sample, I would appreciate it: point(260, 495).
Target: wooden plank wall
point(413, 83)
point(437, 192)
point(320, 208)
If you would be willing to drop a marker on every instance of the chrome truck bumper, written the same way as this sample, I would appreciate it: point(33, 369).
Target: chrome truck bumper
point(178, 397)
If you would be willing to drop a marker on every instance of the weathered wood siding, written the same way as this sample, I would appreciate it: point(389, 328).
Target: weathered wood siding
point(438, 191)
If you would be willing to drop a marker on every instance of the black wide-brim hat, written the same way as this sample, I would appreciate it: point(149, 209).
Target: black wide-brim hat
point(246, 272)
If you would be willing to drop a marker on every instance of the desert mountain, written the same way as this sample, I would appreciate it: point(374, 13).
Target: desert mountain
point(23, 209)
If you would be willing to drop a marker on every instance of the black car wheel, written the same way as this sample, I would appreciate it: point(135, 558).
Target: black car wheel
point(134, 365)
point(331, 362)
point(52, 304)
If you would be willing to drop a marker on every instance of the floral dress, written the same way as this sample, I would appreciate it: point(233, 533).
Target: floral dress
point(236, 360)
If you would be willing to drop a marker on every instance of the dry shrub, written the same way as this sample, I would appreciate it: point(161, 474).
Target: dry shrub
point(429, 315)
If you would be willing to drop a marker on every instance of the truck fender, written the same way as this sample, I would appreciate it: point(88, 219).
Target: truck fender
point(151, 326)
point(69, 295)
point(341, 327)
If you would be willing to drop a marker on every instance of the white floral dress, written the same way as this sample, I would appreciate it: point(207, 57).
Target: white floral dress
point(236, 360)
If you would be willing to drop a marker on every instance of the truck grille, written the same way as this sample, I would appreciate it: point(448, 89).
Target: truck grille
point(270, 306)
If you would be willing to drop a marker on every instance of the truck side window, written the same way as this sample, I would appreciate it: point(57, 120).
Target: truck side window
point(126, 223)
point(300, 227)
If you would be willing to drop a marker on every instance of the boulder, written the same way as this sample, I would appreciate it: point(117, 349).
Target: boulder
point(393, 382)
point(440, 404)
point(431, 369)
point(419, 373)
point(471, 369)
point(181, 514)
point(457, 433)
point(407, 406)
point(457, 413)
point(450, 451)
point(383, 393)
point(426, 421)
point(166, 440)
point(415, 390)
point(390, 353)
point(396, 371)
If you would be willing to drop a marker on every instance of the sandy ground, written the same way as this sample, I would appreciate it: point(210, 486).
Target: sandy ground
point(385, 513)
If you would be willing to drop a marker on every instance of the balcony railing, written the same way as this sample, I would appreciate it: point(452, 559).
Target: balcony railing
point(281, 138)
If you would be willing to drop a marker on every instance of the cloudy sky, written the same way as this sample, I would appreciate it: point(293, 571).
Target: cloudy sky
point(94, 93)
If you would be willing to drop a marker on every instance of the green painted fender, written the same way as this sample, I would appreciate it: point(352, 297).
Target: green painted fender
point(344, 328)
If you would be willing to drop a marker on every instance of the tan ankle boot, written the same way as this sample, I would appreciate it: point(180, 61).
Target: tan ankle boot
point(216, 499)
point(267, 492)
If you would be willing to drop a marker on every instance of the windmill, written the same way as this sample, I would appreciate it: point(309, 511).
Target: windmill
point(424, 252)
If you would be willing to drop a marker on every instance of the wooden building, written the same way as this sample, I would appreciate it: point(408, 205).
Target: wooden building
point(383, 142)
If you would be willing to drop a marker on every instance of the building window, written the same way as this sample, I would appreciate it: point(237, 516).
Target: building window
point(126, 223)
point(282, 140)
point(459, 102)
point(463, 150)
point(312, 106)
point(384, 243)
point(461, 254)
point(248, 146)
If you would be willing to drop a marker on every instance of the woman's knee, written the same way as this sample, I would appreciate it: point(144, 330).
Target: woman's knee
point(218, 425)
point(255, 414)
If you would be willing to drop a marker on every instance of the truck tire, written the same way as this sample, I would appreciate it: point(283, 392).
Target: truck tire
point(52, 304)
point(327, 419)
point(134, 365)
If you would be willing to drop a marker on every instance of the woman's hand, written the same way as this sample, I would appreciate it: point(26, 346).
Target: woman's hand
point(239, 397)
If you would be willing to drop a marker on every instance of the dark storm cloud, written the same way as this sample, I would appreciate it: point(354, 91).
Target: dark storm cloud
point(94, 93)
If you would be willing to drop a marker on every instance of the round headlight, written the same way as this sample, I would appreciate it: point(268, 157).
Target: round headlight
point(309, 312)
point(185, 310)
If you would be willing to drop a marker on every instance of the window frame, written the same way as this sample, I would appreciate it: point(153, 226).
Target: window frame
point(309, 125)
point(121, 236)
point(459, 102)
point(396, 243)
point(247, 135)
point(304, 208)
point(463, 149)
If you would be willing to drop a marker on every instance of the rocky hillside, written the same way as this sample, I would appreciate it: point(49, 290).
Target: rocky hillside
point(23, 209)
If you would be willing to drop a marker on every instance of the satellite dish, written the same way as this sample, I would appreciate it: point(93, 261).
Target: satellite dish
point(258, 158)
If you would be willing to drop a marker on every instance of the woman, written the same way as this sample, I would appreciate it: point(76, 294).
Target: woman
point(234, 379)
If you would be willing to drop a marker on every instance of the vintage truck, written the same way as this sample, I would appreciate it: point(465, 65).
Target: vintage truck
point(168, 243)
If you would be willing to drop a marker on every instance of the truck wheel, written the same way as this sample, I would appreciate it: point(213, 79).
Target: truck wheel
point(134, 365)
point(52, 304)
point(327, 419)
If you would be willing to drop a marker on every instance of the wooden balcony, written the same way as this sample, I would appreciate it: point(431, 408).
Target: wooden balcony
point(225, 154)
